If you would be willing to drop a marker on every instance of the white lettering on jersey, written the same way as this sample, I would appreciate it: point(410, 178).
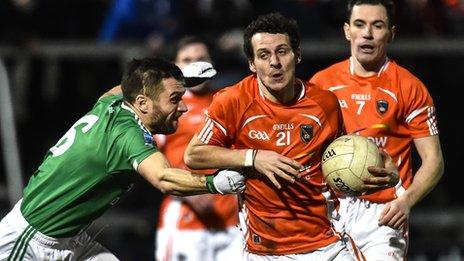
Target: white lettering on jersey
point(379, 141)
point(283, 126)
point(259, 135)
point(361, 97)
point(343, 104)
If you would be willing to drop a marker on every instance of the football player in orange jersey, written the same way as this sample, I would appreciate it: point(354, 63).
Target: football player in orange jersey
point(276, 127)
point(202, 227)
point(386, 103)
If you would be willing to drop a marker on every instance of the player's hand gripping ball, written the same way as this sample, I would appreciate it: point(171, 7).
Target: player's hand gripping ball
point(345, 162)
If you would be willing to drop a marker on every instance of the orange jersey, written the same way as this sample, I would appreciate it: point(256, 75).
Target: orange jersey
point(391, 108)
point(173, 146)
point(293, 219)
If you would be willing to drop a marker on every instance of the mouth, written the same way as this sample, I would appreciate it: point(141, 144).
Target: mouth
point(277, 76)
point(366, 48)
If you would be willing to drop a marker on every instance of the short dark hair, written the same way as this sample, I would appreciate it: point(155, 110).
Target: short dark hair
point(388, 4)
point(189, 39)
point(273, 23)
point(144, 76)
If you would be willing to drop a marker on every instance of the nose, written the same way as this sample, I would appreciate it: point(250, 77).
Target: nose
point(275, 61)
point(367, 32)
point(182, 107)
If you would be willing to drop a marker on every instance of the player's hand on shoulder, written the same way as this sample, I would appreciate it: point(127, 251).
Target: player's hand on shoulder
point(383, 177)
point(273, 165)
point(228, 181)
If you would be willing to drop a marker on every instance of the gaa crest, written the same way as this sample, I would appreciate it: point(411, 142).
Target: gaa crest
point(382, 106)
point(306, 132)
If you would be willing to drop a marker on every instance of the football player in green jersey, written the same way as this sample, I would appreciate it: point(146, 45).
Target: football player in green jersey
point(96, 161)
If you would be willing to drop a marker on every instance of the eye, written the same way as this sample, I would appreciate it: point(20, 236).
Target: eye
point(358, 24)
point(187, 60)
point(263, 55)
point(379, 26)
point(282, 51)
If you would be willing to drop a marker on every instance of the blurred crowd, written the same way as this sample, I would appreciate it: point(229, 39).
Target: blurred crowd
point(160, 22)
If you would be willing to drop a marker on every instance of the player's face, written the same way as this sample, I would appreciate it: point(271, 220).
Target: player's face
point(369, 33)
point(274, 62)
point(168, 107)
point(190, 53)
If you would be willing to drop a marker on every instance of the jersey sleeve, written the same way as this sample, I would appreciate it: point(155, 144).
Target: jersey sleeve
point(315, 79)
point(420, 113)
point(128, 148)
point(221, 118)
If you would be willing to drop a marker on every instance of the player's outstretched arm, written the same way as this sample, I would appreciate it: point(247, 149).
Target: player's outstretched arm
point(269, 163)
point(384, 177)
point(425, 179)
point(156, 169)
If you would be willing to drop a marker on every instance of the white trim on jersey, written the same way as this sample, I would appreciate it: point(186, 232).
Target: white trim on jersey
point(312, 117)
point(389, 93)
point(303, 90)
point(337, 87)
point(432, 120)
point(243, 220)
point(207, 132)
point(384, 67)
point(135, 165)
point(414, 114)
point(136, 117)
point(252, 118)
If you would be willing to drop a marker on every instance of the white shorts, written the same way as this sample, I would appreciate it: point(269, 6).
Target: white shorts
point(359, 219)
point(19, 241)
point(198, 244)
point(334, 252)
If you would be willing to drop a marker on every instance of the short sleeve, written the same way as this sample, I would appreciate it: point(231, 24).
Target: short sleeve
point(128, 148)
point(420, 114)
point(220, 123)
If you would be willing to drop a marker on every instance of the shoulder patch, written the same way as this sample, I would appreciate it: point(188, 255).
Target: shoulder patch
point(149, 141)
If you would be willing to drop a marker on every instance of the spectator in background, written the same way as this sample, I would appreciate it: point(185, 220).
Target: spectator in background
point(154, 21)
point(203, 227)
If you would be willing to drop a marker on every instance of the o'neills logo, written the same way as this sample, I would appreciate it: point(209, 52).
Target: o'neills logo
point(306, 132)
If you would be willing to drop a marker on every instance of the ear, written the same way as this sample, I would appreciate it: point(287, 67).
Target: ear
point(252, 67)
point(346, 29)
point(141, 103)
point(392, 33)
point(298, 55)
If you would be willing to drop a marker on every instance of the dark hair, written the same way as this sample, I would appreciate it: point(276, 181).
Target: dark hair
point(189, 39)
point(144, 76)
point(273, 23)
point(388, 4)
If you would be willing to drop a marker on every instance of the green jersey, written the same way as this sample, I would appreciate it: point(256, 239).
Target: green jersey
point(87, 171)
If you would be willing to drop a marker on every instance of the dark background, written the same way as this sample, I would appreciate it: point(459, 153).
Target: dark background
point(68, 45)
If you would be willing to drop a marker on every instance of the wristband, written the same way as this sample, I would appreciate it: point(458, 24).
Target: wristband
point(210, 184)
point(249, 158)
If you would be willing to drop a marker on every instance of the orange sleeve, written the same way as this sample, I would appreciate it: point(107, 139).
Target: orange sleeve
point(420, 113)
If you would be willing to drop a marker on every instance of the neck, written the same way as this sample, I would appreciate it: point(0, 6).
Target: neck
point(285, 96)
point(140, 115)
point(366, 70)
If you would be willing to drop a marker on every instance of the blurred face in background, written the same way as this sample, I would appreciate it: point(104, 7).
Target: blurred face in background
point(369, 33)
point(194, 52)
